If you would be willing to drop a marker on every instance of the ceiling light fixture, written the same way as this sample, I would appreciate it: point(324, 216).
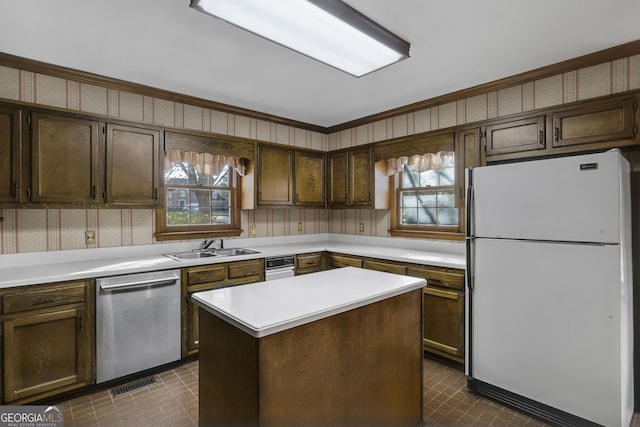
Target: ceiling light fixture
point(329, 31)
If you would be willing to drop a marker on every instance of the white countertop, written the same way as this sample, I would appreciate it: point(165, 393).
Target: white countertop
point(265, 308)
point(48, 267)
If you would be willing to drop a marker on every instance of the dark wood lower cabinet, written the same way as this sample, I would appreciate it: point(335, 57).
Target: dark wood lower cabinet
point(47, 340)
point(207, 277)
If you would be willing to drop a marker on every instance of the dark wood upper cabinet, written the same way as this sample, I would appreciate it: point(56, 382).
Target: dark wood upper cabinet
point(11, 183)
point(65, 165)
point(516, 135)
point(351, 178)
point(134, 159)
point(309, 179)
point(275, 176)
point(288, 177)
point(598, 121)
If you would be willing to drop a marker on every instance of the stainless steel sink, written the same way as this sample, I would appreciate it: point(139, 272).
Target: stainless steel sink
point(211, 253)
point(234, 251)
point(190, 255)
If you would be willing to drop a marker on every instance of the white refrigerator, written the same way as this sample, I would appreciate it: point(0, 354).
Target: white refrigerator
point(549, 289)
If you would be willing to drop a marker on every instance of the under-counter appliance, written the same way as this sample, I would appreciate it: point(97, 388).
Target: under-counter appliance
point(279, 267)
point(549, 288)
point(137, 323)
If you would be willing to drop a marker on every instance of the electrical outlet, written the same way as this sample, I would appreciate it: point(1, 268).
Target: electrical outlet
point(299, 227)
point(90, 237)
point(362, 227)
point(252, 230)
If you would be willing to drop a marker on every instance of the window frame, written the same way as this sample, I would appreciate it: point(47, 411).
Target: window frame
point(214, 144)
point(425, 143)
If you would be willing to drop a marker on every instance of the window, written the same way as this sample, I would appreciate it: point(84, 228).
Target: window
point(201, 196)
point(424, 202)
point(193, 198)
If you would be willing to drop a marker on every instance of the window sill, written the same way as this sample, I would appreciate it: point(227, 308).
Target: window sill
point(427, 234)
point(193, 234)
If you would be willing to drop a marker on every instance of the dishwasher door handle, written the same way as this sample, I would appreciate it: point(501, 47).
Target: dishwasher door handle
point(134, 285)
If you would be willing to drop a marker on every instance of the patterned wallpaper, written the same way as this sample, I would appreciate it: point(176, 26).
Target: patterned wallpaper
point(35, 230)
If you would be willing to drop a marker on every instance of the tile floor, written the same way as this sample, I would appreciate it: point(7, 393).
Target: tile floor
point(173, 401)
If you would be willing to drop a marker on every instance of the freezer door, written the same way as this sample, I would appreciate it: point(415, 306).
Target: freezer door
point(548, 323)
point(567, 199)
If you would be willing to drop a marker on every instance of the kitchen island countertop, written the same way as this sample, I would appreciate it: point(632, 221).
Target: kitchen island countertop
point(265, 308)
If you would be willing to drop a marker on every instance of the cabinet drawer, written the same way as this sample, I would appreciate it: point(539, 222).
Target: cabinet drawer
point(446, 278)
point(37, 297)
point(385, 267)
point(308, 261)
point(242, 269)
point(338, 261)
point(207, 274)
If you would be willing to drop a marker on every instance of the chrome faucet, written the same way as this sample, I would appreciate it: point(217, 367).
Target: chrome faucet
point(206, 243)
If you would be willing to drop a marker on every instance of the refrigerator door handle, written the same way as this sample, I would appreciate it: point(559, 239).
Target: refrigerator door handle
point(468, 228)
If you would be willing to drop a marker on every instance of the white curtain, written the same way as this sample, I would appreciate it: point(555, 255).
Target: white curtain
point(205, 163)
point(419, 162)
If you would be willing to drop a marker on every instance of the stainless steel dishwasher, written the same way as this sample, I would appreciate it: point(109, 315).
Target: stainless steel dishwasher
point(137, 323)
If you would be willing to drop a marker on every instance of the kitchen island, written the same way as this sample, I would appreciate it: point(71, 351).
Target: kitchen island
point(340, 347)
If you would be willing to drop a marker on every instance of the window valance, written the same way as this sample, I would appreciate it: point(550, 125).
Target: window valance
point(205, 163)
point(420, 162)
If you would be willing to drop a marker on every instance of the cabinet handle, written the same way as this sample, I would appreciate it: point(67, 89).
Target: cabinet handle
point(44, 300)
point(29, 193)
point(556, 134)
point(345, 197)
point(259, 195)
point(15, 190)
point(155, 194)
point(94, 192)
point(540, 137)
point(368, 196)
point(104, 195)
point(81, 322)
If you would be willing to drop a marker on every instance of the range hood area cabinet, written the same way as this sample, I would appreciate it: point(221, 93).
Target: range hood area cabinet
point(287, 177)
point(52, 158)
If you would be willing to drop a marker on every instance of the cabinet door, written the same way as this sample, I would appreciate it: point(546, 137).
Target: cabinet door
point(45, 354)
point(133, 165)
point(443, 317)
point(10, 156)
point(338, 169)
point(360, 178)
point(275, 176)
point(516, 136)
point(310, 180)
point(595, 122)
point(64, 159)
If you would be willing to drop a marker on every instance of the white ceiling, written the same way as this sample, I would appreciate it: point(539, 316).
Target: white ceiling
point(455, 44)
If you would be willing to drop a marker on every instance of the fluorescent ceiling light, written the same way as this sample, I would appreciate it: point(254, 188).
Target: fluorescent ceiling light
point(329, 31)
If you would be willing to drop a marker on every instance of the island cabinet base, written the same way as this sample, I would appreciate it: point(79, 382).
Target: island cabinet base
point(361, 367)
